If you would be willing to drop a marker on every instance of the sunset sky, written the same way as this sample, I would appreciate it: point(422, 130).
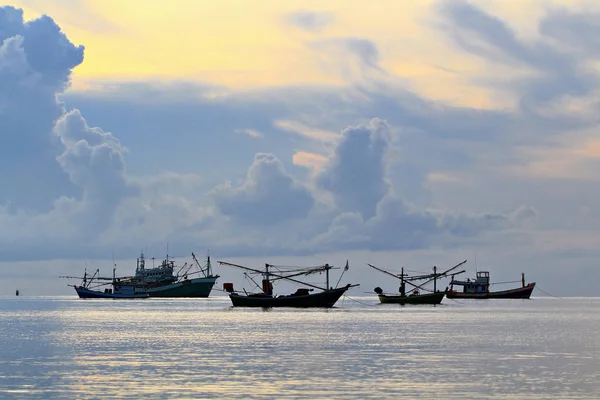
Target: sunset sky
point(404, 134)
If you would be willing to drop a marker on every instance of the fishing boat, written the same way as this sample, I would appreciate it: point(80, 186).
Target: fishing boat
point(97, 287)
point(326, 296)
point(165, 280)
point(417, 294)
point(169, 280)
point(479, 288)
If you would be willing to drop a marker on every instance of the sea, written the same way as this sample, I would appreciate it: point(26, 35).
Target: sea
point(64, 347)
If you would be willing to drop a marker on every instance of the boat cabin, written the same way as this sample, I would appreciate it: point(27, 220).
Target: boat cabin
point(481, 284)
point(162, 273)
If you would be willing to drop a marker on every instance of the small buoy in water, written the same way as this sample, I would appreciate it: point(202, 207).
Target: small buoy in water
point(17, 292)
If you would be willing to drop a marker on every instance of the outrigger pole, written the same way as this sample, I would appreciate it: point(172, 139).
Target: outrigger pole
point(342, 274)
point(431, 277)
point(325, 267)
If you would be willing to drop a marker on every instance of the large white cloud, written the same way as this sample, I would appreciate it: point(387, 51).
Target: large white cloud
point(36, 60)
point(66, 181)
point(356, 172)
point(267, 196)
point(107, 199)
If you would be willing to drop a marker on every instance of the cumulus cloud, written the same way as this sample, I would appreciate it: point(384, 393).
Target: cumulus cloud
point(398, 225)
point(93, 159)
point(354, 199)
point(36, 60)
point(267, 196)
point(356, 172)
point(68, 180)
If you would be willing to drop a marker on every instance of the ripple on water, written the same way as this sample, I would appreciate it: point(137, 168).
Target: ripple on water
point(60, 347)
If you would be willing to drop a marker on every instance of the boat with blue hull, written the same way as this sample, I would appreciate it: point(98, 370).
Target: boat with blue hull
point(165, 280)
point(119, 293)
point(326, 297)
point(97, 287)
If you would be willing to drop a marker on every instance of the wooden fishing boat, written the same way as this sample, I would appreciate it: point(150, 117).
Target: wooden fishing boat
point(479, 288)
point(302, 298)
point(119, 292)
point(97, 287)
point(415, 296)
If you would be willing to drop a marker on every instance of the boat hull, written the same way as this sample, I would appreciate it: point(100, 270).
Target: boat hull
point(429, 298)
point(325, 299)
point(198, 287)
point(519, 293)
point(85, 293)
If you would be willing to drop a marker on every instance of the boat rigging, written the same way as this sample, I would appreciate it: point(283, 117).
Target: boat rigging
point(435, 297)
point(301, 298)
point(164, 280)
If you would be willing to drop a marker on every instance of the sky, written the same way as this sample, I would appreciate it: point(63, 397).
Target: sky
point(401, 134)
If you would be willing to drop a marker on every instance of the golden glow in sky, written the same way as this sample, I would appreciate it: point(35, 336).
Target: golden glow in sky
point(249, 44)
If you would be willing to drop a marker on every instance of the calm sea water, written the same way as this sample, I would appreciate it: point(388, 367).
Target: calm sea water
point(63, 347)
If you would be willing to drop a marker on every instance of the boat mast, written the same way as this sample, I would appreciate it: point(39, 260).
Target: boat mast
point(327, 267)
point(208, 271)
point(267, 282)
point(434, 279)
point(402, 284)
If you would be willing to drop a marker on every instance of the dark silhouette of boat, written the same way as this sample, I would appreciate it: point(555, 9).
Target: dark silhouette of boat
point(415, 296)
point(302, 298)
point(479, 288)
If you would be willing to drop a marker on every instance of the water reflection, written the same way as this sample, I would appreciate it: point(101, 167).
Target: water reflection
point(64, 347)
